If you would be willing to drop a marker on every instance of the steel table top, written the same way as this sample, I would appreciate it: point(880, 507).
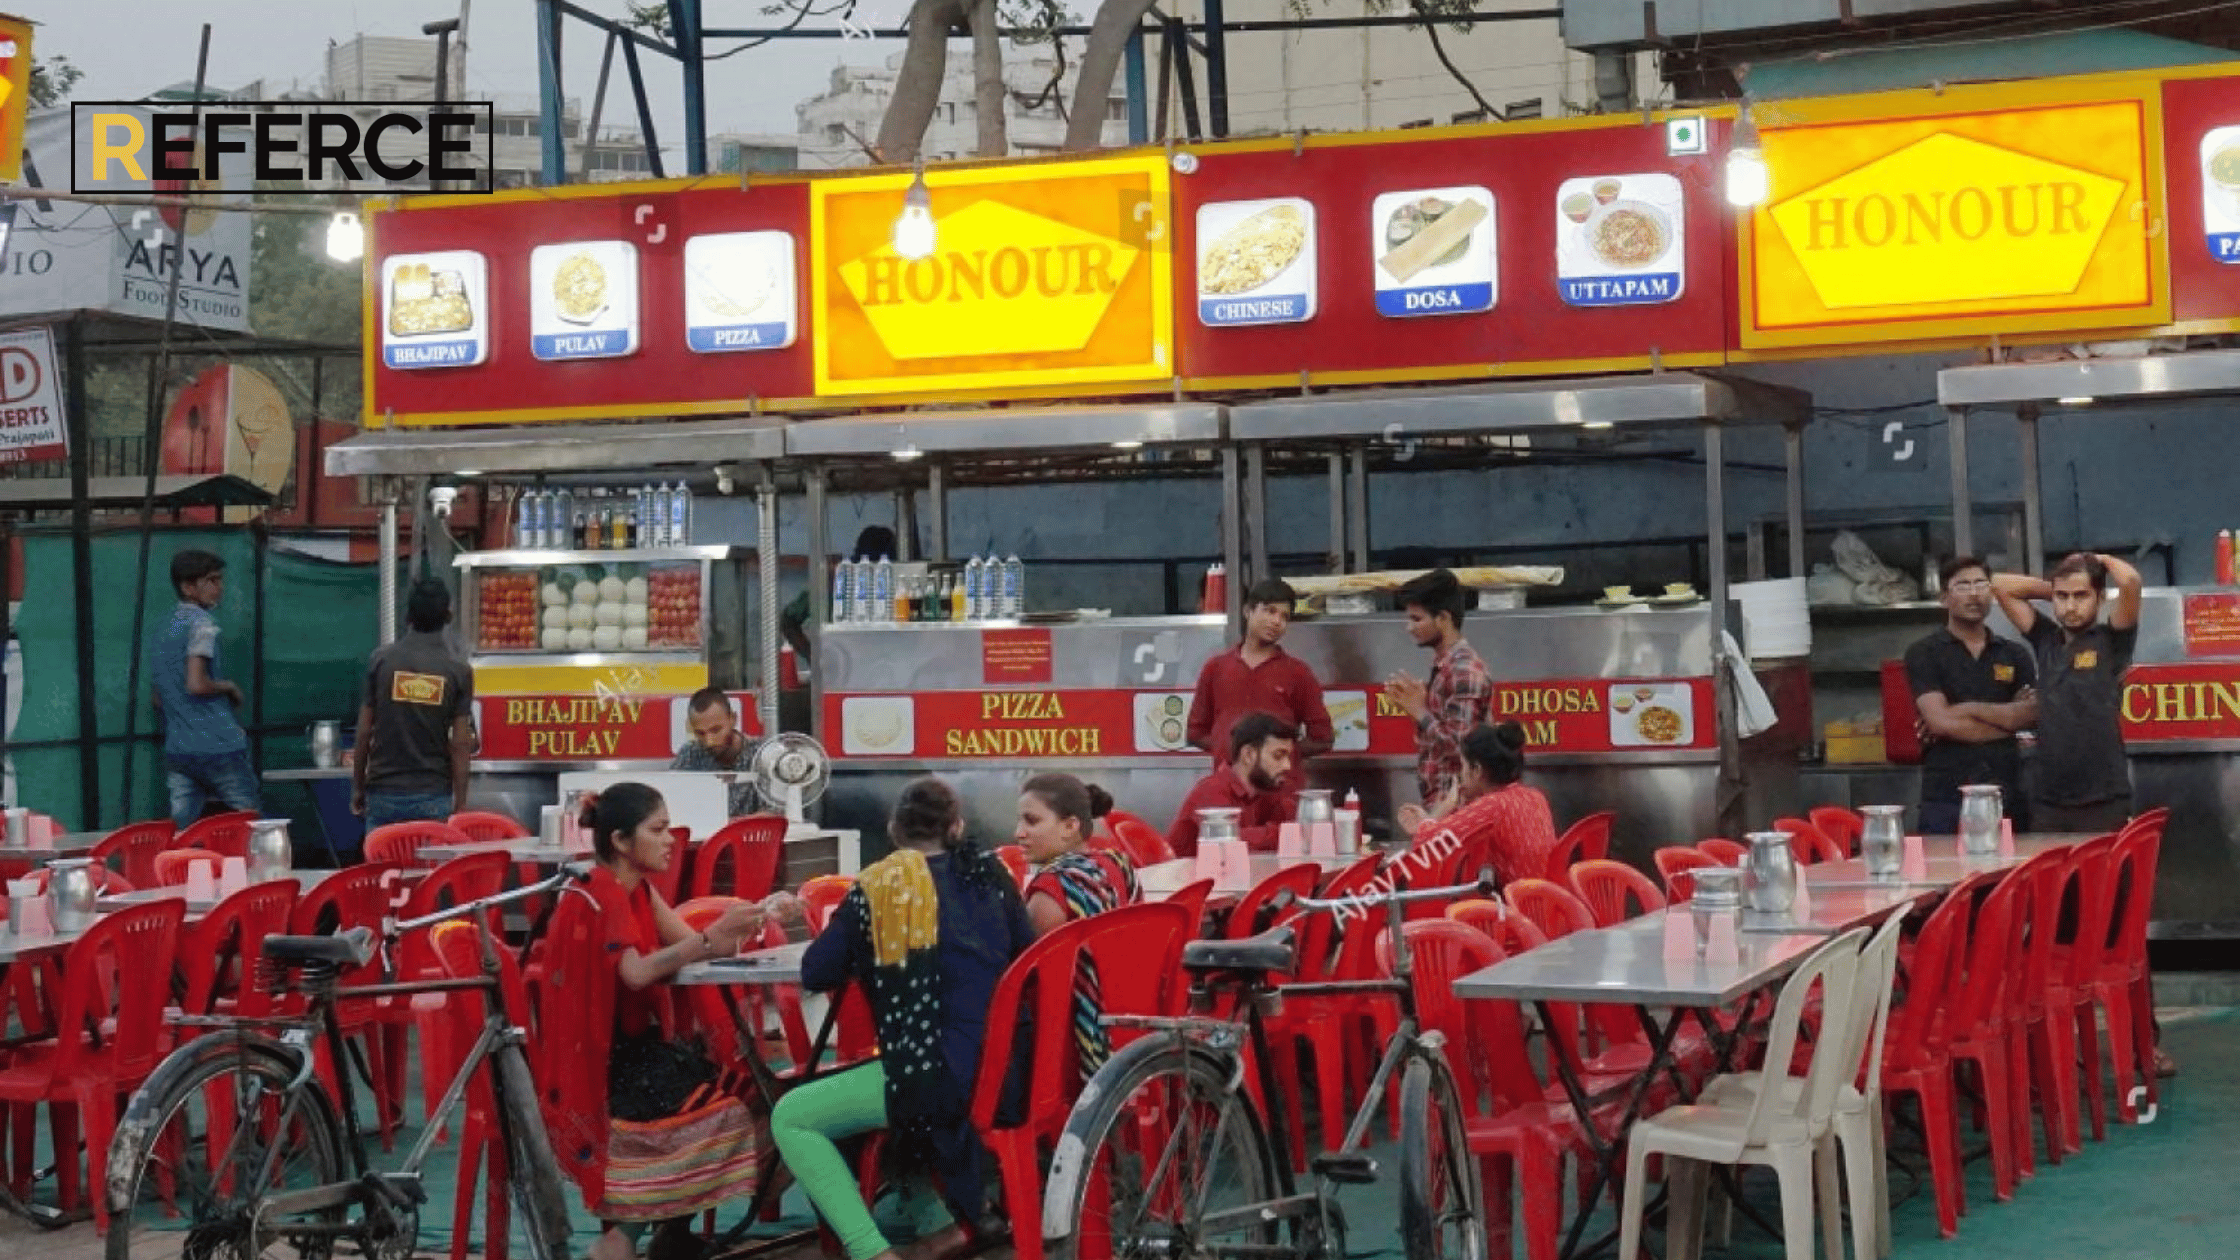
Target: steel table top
point(780, 964)
point(66, 844)
point(1944, 865)
point(1165, 879)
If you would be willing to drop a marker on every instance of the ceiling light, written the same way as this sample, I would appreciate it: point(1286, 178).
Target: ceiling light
point(908, 451)
point(1130, 445)
point(470, 472)
point(1596, 424)
point(2076, 400)
point(346, 238)
point(1749, 182)
point(913, 228)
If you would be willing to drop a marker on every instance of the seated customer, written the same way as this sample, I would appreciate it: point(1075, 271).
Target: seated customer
point(928, 931)
point(1492, 799)
point(1260, 752)
point(1070, 880)
point(719, 745)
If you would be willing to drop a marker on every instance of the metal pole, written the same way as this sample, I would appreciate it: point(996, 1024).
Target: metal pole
point(555, 155)
point(1715, 517)
point(1217, 70)
point(598, 107)
point(1963, 509)
point(81, 572)
point(937, 503)
point(688, 36)
point(905, 525)
point(820, 547)
point(1232, 536)
point(1139, 113)
point(2033, 494)
point(1255, 512)
point(766, 573)
point(1337, 512)
point(1792, 448)
point(1357, 508)
point(388, 544)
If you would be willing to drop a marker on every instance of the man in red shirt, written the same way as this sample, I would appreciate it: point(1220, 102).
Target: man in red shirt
point(1260, 751)
point(1259, 676)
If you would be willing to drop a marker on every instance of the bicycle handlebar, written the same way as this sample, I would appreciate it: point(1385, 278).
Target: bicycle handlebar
point(1482, 886)
point(569, 873)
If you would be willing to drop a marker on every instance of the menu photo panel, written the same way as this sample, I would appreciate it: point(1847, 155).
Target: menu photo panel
point(739, 292)
point(1256, 262)
point(583, 300)
point(1621, 240)
point(435, 310)
point(1434, 252)
point(2220, 192)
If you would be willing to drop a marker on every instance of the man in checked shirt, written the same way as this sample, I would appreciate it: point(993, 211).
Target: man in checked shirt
point(1459, 694)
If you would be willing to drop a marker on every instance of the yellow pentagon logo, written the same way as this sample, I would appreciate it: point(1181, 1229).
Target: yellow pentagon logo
point(1005, 281)
point(1948, 219)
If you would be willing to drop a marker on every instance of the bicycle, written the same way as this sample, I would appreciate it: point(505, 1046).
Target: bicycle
point(281, 1164)
point(1166, 1155)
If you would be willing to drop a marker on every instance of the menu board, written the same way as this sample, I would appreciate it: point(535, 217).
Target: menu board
point(739, 292)
point(583, 300)
point(2220, 193)
point(435, 310)
point(1433, 251)
point(1620, 240)
point(1256, 262)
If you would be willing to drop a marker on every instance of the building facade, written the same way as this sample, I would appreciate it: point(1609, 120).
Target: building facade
point(839, 125)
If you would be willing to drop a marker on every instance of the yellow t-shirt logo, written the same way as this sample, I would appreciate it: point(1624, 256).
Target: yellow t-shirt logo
point(2002, 673)
point(424, 689)
point(2086, 659)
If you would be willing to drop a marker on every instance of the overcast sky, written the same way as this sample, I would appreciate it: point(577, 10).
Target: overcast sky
point(128, 48)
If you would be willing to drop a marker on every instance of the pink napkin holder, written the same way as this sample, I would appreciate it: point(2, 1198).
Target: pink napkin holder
point(2006, 837)
point(202, 882)
point(1289, 843)
point(1209, 860)
point(1801, 908)
point(1236, 865)
point(27, 910)
point(39, 832)
point(1322, 839)
point(1915, 863)
point(233, 876)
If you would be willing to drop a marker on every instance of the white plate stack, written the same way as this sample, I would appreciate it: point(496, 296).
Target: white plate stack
point(1775, 623)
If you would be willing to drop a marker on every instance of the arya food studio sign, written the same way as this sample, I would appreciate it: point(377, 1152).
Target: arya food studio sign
point(2040, 216)
point(1042, 275)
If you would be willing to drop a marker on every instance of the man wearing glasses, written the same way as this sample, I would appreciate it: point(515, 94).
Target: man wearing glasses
point(1974, 690)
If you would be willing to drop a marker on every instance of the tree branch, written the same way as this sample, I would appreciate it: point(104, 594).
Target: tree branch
point(1431, 29)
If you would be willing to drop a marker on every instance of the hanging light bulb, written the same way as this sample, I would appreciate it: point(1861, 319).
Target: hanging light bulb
point(1749, 183)
point(346, 238)
point(913, 228)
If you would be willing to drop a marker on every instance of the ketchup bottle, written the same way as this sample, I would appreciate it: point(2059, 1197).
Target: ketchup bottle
point(2224, 557)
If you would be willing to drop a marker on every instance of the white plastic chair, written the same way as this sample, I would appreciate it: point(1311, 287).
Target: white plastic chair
point(1858, 1115)
point(1791, 1131)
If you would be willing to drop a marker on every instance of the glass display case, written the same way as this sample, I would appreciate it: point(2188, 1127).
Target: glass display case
point(641, 606)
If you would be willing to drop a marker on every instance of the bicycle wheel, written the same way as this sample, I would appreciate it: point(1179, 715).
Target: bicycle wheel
point(1440, 1217)
point(1165, 1160)
point(532, 1173)
point(206, 1141)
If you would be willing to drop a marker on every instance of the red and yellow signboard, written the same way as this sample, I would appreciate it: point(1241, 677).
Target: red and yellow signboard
point(15, 94)
point(1043, 275)
point(2194, 701)
point(2006, 210)
point(575, 728)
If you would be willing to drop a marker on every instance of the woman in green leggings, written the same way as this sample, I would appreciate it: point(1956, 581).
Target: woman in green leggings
point(927, 931)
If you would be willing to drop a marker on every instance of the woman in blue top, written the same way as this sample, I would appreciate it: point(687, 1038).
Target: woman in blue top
point(928, 931)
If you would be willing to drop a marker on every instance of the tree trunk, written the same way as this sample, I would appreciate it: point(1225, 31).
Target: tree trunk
point(991, 94)
point(917, 86)
point(1100, 61)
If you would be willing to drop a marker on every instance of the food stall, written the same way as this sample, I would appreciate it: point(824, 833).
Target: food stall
point(2181, 704)
point(1627, 709)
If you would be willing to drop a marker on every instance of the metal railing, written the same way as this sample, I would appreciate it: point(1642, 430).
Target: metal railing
point(112, 457)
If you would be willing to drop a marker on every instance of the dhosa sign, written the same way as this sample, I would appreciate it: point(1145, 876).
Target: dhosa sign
point(1040, 276)
point(2034, 217)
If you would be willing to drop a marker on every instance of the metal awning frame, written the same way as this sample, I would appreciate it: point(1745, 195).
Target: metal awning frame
point(556, 448)
point(52, 494)
point(2028, 389)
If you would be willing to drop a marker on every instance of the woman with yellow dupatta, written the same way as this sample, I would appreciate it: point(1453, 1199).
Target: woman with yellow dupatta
point(928, 931)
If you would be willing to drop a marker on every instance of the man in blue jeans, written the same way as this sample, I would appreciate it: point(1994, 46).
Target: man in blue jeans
point(205, 751)
point(416, 728)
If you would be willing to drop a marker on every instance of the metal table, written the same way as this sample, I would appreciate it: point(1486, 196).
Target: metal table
point(66, 844)
point(1165, 879)
point(780, 964)
point(1945, 866)
point(196, 906)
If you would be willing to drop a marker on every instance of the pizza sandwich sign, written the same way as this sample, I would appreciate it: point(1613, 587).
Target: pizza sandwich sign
point(31, 427)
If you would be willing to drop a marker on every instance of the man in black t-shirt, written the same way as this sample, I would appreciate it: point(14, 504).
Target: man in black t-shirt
point(1974, 692)
point(416, 728)
point(2082, 779)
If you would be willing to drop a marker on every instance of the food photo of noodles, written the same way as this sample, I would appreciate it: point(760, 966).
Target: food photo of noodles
point(1652, 715)
point(1628, 235)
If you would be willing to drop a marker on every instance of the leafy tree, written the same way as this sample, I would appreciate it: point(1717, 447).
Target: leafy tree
point(51, 81)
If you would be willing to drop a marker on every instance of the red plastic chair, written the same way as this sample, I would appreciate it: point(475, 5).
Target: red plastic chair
point(1518, 1135)
point(1318, 1023)
point(1675, 865)
point(1723, 852)
point(1976, 1027)
point(1553, 908)
point(1914, 1058)
point(1809, 843)
point(171, 865)
point(218, 954)
point(1137, 952)
point(1606, 887)
point(747, 850)
point(2074, 1024)
point(484, 825)
point(2030, 1039)
point(355, 897)
point(1259, 906)
point(456, 882)
point(131, 850)
point(1193, 897)
point(398, 845)
point(1844, 826)
point(2122, 985)
point(1144, 843)
point(455, 949)
point(116, 981)
point(1584, 840)
point(222, 833)
point(821, 895)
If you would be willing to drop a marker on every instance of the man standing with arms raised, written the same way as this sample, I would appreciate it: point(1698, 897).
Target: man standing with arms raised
point(1456, 699)
point(2082, 779)
point(1973, 689)
point(1258, 676)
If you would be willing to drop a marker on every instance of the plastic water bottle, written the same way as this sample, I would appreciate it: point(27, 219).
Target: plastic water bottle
point(1014, 588)
point(882, 590)
point(559, 521)
point(972, 589)
point(843, 576)
point(525, 521)
point(680, 517)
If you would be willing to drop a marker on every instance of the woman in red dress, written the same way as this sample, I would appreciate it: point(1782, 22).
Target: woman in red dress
point(1491, 799)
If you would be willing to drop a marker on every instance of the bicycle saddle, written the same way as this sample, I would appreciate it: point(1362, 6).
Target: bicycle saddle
point(353, 948)
point(1269, 951)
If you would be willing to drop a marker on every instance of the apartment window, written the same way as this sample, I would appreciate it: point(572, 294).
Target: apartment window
point(1116, 109)
point(1471, 116)
point(834, 133)
point(1414, 123)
